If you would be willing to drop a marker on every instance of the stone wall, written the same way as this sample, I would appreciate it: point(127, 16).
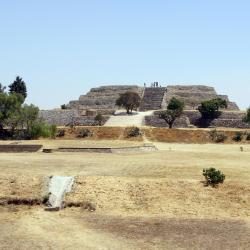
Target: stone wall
point(58, 117)
point(67, 117)
point(228, 119)
point(155, 121)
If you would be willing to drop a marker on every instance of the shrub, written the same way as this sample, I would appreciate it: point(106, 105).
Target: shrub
point(36, 130)
point(217, 136)
point(40, 129)
point(238, 136)
point(213, 177)
point(134, 132)
point(85, 133)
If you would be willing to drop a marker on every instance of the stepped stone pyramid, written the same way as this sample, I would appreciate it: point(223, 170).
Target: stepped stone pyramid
point(102, 101)
point(153, 98)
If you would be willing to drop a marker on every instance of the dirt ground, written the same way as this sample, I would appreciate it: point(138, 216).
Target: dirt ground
point(74, 228)
point(146, 200)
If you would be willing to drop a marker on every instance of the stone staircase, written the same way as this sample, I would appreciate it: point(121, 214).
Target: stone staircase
point(152, 98)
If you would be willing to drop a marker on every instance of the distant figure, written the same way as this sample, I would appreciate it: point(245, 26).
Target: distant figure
point(144, 85)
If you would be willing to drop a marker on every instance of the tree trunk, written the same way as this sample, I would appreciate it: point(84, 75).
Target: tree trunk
point(170, 125)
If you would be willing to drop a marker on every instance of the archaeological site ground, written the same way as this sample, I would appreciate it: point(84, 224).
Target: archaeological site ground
point(131, 183)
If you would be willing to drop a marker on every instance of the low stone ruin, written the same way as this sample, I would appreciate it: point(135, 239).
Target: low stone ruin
point(191, 118)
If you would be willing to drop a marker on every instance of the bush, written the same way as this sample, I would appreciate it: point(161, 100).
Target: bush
point(134, 132)
point(37, 129)
point(217, 136)
point(85, 133)
point(40, 129)
point(238, 136)
point(213, 177)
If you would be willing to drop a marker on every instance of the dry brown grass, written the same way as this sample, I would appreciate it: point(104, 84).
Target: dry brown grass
point(147, 200)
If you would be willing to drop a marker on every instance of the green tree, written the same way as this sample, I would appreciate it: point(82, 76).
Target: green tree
point(247, 116)
point(10, 105)
point(129, 100)
point(29, 115)
point(210, 109)
point(174, 111)
point(18, 86)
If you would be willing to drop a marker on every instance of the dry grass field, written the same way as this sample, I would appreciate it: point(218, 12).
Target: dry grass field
point(146, 200)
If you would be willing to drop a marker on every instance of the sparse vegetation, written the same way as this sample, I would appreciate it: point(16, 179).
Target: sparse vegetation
point(217, 136)
point(174, 111)
point(134, 132)
point(129, 100)
point(83, 133)
point(213, 177)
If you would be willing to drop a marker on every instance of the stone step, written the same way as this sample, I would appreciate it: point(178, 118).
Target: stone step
point(152, 98)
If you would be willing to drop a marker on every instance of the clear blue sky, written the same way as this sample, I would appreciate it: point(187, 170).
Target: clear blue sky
point(62, 48)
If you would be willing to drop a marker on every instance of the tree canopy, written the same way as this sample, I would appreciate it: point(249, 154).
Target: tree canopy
point(174, 110)
point(210, 109)
point(18, 86)
point(129, 100)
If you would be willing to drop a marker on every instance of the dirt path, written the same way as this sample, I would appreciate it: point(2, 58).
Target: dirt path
point(122, 119)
